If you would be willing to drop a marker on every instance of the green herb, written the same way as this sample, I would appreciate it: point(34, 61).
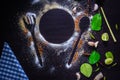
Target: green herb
point(97, 64)
point(91, 35)
point(96, 22)
point(109, 54)
point(97, 69)
point(94, 57)
point(116, 26)
point(108, 25)
point(86, 69)
point(104, 78)
point(114, 64)
point(105, 36)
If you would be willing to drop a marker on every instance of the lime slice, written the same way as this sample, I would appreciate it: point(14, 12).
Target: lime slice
point(108, 61)
point(109, 54)
point(105, 36)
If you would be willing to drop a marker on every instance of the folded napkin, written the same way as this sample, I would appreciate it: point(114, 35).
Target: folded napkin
point(10, 68)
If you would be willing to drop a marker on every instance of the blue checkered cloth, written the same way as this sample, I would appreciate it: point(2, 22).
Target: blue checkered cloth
point(10, 69)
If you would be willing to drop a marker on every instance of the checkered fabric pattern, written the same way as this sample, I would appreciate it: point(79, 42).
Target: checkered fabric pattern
point(10, 68)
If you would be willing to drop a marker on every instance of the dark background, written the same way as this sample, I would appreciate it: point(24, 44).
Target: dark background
point(9, 12)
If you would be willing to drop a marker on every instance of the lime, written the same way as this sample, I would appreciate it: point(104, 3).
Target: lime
point(108, 61)
point(109, 54)
point(86, 69)
point(105, 36)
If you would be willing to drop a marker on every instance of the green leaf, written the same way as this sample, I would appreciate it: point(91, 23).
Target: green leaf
point(94, 57)
point(96, 22)
point(86, 69)
point(109, 54)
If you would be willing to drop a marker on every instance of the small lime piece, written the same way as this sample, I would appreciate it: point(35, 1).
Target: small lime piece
point(108, 61)
point(105, 36)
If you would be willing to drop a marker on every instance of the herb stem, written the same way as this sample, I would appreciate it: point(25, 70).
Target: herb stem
point(108, 25)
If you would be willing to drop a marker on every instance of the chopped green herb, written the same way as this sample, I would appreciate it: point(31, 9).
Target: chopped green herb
point(96, 22)
point(104, 78)
point(91, 35)
point(97, 69)
point(114, 64)
point(116, 26)
point(97, 64)
point(94, 57)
